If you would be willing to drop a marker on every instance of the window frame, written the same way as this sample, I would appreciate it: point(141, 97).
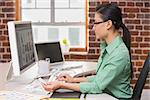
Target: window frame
point(18, 17)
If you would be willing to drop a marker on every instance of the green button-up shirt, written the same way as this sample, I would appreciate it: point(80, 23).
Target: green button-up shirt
point(112, 73)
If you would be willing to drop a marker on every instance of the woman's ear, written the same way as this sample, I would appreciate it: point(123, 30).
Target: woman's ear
point(108, 24)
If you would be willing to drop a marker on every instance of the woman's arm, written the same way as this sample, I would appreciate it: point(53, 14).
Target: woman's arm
point(68, 78)
point(52, 86)
point(71, 86)
point(84, 79)
point(79, 79)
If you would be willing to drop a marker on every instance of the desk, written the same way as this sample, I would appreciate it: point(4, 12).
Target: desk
point(32, 72)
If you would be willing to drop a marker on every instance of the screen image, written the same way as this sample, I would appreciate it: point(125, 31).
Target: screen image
point(25, 45)
point(49, 50)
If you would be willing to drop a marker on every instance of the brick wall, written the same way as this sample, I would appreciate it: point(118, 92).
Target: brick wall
point(136, 17)
point(7, 13)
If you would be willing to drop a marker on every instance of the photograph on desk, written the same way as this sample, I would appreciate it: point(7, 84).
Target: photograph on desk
point(74, 49)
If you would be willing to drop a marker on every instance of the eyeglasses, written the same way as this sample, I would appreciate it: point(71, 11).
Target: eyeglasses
point(95, 23)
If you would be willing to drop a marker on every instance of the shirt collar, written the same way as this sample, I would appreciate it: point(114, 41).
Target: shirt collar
point(109, 48)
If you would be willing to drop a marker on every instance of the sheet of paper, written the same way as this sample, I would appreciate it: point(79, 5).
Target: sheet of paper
point(14, 95)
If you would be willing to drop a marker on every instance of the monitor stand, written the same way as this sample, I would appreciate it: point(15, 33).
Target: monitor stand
point(22, 79)
point(10, 72)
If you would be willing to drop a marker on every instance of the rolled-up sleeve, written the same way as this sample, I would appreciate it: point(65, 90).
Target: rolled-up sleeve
point(89, 87)
point(91, 78)
point(112, 69)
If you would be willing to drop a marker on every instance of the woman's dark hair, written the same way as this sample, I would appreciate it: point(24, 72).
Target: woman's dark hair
point(113, 12)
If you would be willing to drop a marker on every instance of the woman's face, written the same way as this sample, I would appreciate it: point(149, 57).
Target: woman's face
point(100, 29)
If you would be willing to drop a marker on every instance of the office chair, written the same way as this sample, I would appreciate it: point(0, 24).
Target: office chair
point(137, 91)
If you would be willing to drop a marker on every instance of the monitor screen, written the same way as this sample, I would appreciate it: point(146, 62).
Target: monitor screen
point(21, 46)
point(50, 50)
point(25, 45)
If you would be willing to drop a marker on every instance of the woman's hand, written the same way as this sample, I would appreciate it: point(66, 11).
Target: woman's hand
point(52, 86)
point(65, 77)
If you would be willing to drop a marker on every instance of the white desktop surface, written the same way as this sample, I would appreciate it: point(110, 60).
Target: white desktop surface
point(15, 85)
point(4, 70)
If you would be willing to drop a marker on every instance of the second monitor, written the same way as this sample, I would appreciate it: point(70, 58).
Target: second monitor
point(50, 50)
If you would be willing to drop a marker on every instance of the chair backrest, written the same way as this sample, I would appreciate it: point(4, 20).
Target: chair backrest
point(141, 80)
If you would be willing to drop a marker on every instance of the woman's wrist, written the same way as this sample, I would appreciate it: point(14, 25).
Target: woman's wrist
point(73, 80)
point(71, 86)
point(62, 84)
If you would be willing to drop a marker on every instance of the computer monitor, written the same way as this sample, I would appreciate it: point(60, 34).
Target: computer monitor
point(50, 50)
point(21, 46)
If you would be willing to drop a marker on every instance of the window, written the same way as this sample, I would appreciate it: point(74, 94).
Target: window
point(55, 20)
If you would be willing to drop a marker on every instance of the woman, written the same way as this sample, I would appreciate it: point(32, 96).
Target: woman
point(114, 70)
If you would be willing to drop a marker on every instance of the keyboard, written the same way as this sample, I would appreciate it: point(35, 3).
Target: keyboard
point(36, 88)
point(71, 67)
